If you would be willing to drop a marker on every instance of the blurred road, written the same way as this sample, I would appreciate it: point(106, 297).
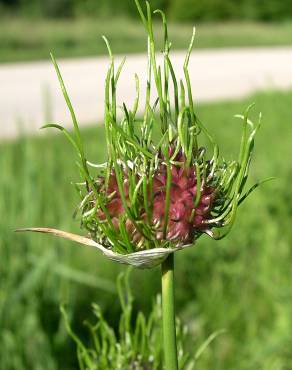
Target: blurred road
point(30, 94)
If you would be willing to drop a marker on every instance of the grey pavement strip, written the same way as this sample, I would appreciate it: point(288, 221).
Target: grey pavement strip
point(29, 90)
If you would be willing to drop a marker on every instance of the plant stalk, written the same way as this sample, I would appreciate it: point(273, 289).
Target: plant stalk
point(168, 314)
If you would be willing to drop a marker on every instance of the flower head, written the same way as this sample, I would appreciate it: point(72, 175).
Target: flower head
point(178, 222)
point(161, 188)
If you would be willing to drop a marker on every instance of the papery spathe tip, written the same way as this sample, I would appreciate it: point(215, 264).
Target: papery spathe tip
point(144, 259)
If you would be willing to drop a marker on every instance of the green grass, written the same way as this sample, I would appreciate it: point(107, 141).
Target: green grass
point(23, 39)
point(242, 283)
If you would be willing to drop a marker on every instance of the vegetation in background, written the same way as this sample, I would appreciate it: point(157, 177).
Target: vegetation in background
point(137, 344)
point(80, 37)
point(72, 28)
point(178, 9)
point(242, 285)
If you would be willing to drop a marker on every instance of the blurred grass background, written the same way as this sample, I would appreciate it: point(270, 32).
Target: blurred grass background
point(241, 283)
point(30, 29)
point(82, 36)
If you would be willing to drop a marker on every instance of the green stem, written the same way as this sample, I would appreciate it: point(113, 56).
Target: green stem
point(168, 314)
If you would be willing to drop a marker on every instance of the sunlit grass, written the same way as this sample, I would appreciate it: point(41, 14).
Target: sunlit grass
point(22, 39)
point(242, 283)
